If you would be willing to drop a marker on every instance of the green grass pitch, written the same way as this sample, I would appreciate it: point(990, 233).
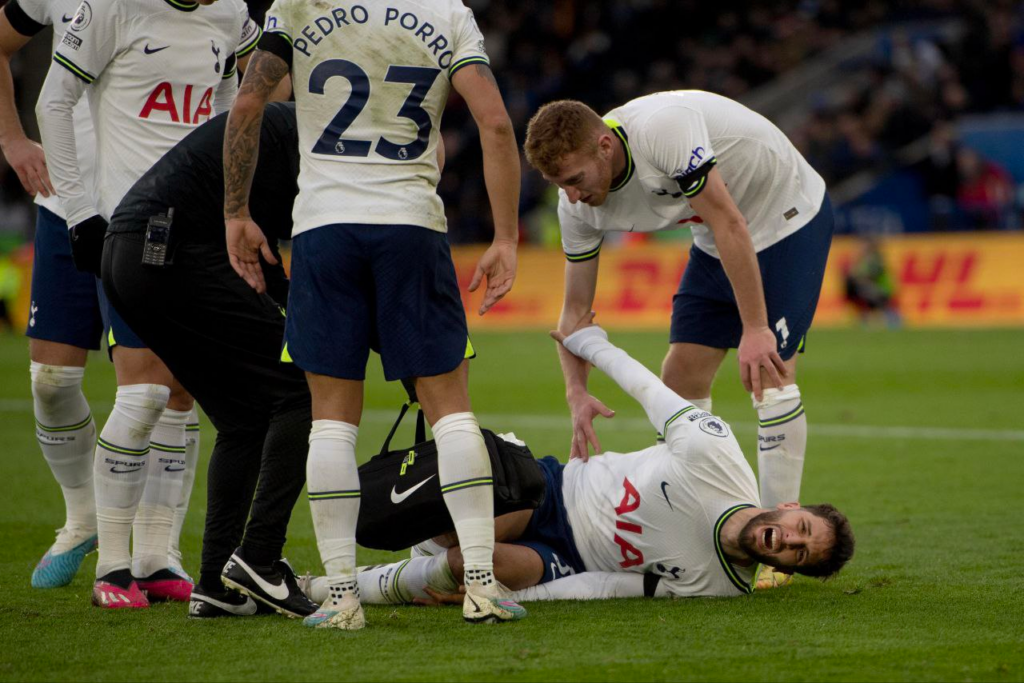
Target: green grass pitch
point(918, 436)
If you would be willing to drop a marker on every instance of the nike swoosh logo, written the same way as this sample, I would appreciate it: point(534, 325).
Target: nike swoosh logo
point(278, 592)
point(174, 469)
point(665, 493)
point(476, 607)
point(117, 471)
point(770, 448)
point(246, 609)
point(397, 497)
point(66, 18)
point(149, 51)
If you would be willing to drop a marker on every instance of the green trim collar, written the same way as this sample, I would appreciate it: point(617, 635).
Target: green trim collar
point(183, 6)
point(620, 132)
point(726, 566)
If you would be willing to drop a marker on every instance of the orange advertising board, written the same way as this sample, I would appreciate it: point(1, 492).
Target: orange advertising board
point(957, 280)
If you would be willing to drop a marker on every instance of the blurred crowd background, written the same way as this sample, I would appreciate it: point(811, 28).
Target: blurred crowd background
point(913, 110)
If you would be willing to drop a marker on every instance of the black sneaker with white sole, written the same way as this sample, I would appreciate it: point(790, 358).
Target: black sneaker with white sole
point(275, 586)
point(205, 604)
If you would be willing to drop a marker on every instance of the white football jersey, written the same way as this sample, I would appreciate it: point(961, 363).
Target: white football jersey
point(153, 67)
point(672, 140)
point(371, 82)
point(659, 512)
point(58, 14)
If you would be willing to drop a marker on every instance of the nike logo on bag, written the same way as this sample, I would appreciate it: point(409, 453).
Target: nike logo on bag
point(770, 448)
point(150, 51)
point(397, 497)
point(665, 493)
point(66, 18)
point(278, 592)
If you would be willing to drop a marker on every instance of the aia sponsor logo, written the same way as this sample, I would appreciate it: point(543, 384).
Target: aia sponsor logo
point(178, 104)
point(631, 555)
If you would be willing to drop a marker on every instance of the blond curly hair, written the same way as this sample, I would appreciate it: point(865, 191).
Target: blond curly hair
point(557, 129)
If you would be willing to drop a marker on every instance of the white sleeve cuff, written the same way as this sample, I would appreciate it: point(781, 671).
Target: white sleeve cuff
point(579, 342)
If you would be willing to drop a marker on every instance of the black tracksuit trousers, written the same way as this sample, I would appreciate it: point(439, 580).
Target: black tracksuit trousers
point(222, 341)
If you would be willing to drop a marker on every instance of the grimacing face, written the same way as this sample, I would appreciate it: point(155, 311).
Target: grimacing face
point(790, 537)
point(586, 175)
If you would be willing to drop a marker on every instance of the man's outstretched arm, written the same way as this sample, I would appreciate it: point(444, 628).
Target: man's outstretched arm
point(661, 404)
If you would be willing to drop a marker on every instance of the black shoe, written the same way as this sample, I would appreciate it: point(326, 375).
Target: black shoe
point(208, 604)
point(275, 585)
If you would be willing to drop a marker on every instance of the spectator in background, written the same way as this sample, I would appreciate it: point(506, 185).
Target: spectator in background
point(868, 284)
point(941, 176)
point(985, 192)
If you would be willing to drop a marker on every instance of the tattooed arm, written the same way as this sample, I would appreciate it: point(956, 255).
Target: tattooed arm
point(245, 240)
point(477, 86)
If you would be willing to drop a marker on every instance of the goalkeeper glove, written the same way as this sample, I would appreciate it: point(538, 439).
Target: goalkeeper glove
point(87, 244)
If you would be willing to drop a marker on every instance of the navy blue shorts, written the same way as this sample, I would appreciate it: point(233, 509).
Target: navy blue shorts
point(391, 288)
point(69, 306)
point(66, 303)
point(548, 532)
point(704, 308)
point(118, 332)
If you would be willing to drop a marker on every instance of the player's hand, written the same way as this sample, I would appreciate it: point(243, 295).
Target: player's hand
point(28, 161)
point(758, 350)
point(584, 409)
point(245, 244)
point(499, 265)
point(87, 244)
point(437, 599)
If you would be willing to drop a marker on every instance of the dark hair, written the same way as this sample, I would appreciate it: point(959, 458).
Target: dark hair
point(842, 543)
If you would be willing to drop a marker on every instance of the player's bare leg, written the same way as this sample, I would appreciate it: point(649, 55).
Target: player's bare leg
point(66, 433)
point(689, 370)
point(464, 471)
point(333, 482)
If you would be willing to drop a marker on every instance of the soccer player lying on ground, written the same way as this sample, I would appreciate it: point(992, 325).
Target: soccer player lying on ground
point(762, 226)
point(681, 518)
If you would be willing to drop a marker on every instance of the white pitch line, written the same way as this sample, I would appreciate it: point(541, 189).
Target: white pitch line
point(512, 421)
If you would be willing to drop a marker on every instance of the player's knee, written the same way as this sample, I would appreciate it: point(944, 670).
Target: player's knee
point(52, 385)
point(180, 399)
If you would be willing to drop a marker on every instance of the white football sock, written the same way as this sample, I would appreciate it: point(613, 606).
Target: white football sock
point(333, 483)
point(702, 403)
point(781, 443)
point(189, 478)
point(122, 454)
point(464, 470)
point(427, 548)
point(398, 583)
point(162, 493)
point(67, 436)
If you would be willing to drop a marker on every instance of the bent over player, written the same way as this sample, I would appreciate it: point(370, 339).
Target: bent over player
point(371, 262)
point(153, 70)
point(762, 226)
point(681, 518)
